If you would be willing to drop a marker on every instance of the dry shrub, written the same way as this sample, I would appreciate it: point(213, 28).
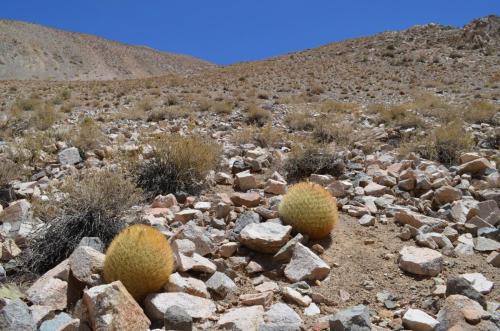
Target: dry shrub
point(327, 131)
point(444, 144)
point(9, 170)
point(28, 104)
point(203, 104)
point(171, 100)
point(89, 135)
point(480, 111)
point(312, 159)
point(179, 164)
point(398, 115)
point(168, 113)
point(145, 105)
point(93, 207)
point(329, 106)
point(222, 107)
point(300, 121)
point(257, 115)
point(268, 136)
point(45, 117)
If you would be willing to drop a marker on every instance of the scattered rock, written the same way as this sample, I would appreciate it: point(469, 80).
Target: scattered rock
point(354, 318)
point(155, 305)
point(242, 319)
point(265, 237)
point(420, 261)
point(417, 320)
point(305, 265)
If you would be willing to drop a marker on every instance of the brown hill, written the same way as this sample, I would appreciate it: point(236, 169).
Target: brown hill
point(30, 51)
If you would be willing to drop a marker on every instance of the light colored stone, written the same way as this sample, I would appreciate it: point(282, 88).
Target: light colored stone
point(494, 259)
point(156, 305)
point(61, 322)
point(245, 181)
point(294, 296)
point(479, 282)
point(275, 187)
point(250, 199)
point(420, 261)
point(111, 307)
point(281, 317)
point(190, 285)
point(265, 237)
point(187, 215)
point(305, 265)
point(50, 292)
point(367, 220)
point(263, 299)
point(242, 319)
point(417, 320)
point(447, 194)
point(474, 166)
point(164, 201)
point(220, 284)
point(87, 264)
point(405, 216)
point(69, 156)
point(376, 190)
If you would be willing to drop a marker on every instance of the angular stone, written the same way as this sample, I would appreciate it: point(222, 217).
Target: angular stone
point(176, 318)
point(460, 313)
point(482, 244)
point(263, 299)
point(367, 220)
point(265, 237)
point(164, 201)
point(494, 259)
point(478, 282)
point(87, 264)
point(296, 297)
point(354, 318)
point(69, 156)
point(9, 250)
point(285, 253)
point(196, 262)
point(198, 235)
point(187, 215)
point(250, 199)
point(281, 317)
point(245, 181)
point(242, 319)
point(376, 190)
point(305, 265)
point(417, 320)
point(459, 285)
point(111, 307)
point(50, 292)
point(156, 305)
point(190, 285)
point(420, 261)
point(275, 187)
point(61, 322)
point(474, 166)
point(447, 194)
point(220, 284)
point(404, 216)
point(15, 316)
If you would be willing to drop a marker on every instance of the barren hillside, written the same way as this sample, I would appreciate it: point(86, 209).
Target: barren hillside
point(30, 51)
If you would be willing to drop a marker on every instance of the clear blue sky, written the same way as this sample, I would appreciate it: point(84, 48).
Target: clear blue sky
point(228, 31)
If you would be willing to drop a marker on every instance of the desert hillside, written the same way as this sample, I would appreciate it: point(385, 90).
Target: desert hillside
point(31, 51)
point(354, 186)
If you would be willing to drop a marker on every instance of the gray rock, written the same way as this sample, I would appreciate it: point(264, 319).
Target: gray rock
point(281, 317)
point(420, 261)
point(367, 220)
point(265, 237)
point(305, 265)
point(242, 221)
point(242, 319)
point(176, 318)
point(482, 244)
point(461, 313)
point(198, 235)
point(61, 322)
point(15, 316)
point(93, 242)
point(155, 305)
point(220, 284)
point(69, 156)
point(285, 253)
point(459, 285)
point(356, 318)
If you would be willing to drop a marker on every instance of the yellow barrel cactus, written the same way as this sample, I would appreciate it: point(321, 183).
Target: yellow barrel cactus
point(309, 209)
point(141, 258)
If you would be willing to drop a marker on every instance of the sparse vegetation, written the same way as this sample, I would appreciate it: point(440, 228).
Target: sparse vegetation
point(179, 164)
point(93, 207)
point(257, 115)
point(89, 135)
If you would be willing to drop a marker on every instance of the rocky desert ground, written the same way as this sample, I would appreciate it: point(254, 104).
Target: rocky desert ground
point(401, 129)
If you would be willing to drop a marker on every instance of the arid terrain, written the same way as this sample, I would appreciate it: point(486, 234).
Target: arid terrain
point(402, 128)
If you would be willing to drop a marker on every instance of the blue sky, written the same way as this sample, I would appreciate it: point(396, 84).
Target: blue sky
point(229, 31)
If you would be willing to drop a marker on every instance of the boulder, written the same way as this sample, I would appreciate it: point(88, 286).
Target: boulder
point(420, 261)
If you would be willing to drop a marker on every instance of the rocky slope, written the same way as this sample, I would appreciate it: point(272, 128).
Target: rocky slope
point(30, 51)
point(416, 181)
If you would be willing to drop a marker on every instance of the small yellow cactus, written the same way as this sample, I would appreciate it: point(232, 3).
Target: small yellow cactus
point(309, 209)
point(141, 258)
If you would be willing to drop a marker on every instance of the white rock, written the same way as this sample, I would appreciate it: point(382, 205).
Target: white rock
point(417, 320)
point(69, 156)
point(479, 282)
point(420, 261)
point(305, 265)
point(156, 305)
point(242, 319)
point(265, 237)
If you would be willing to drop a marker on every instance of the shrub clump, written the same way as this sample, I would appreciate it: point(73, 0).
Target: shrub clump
point(93, 207)
point(445, 144)
point(257, 115)
point(89, 135)
point(311, 160)
point(179, 164)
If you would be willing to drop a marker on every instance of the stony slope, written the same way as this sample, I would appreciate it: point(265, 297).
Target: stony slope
point(30, 51)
